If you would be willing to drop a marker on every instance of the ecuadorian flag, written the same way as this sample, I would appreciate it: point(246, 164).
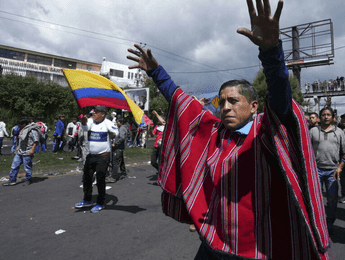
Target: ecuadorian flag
point(90, 89)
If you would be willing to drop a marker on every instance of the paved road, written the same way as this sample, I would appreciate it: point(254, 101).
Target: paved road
point(132, 226)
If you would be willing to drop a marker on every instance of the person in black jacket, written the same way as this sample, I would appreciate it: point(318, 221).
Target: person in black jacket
point(118, 147)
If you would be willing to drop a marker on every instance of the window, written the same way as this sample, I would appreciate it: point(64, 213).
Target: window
point(116, 73)
point(39, 59)
point(65, 64)
point(129, 75)
point(14, 55)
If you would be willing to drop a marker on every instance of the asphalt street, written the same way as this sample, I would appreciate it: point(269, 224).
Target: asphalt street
point(132, 225)
point(40, 222)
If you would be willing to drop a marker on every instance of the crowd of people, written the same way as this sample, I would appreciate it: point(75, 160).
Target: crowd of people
point(29, 137)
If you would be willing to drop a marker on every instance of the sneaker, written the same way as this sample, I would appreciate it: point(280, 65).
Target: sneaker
point(75, 157)
point(83, 204)
point(342, 200)
point(80, 160)
point(27, 182)
point(97, 208)
point(9, 183)
point(110, 180)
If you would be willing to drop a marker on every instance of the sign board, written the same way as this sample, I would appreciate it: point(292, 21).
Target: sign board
point(215, 102)
point(140, 96)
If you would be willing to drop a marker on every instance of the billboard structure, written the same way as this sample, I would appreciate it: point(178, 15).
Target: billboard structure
point(308, 45)
point(140, 96)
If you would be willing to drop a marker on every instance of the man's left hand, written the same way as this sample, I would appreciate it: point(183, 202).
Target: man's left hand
point(336, 174)
point(265, 28)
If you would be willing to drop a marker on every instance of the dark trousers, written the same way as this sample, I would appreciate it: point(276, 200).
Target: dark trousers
point(98, 164)
point(60, 144)
point(342, 183)
point(155, 157)
point(117, 163)
point(134, 137)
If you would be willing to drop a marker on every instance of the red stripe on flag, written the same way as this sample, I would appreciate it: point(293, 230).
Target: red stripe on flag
point(103, 101)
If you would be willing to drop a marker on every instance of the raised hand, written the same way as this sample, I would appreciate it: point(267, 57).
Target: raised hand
point(265, 28)
point(145, 59)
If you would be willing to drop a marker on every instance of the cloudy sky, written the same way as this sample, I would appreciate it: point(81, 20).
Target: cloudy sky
point(193, 40)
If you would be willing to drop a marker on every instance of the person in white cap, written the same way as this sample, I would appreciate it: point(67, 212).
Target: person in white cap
point(113, 115)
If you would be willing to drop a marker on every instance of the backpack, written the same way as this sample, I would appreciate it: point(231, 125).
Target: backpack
point(41, 127)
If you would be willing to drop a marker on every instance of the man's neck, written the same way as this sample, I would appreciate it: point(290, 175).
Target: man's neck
point(327, 128)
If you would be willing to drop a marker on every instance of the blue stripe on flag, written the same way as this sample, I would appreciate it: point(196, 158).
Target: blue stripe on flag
point(97, 92)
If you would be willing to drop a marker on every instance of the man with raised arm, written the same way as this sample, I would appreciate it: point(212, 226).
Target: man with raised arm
point(250, 187)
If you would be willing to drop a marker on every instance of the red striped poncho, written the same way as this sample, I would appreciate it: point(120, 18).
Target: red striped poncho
point(257, 197)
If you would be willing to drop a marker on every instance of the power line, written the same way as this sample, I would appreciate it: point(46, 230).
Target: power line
point(120, 38)
point(101, 34)
point(190, 72)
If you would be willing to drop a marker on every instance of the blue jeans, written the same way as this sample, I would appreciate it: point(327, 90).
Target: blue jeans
point(17, 161)
point(326, 176)
point(54, 143)
point(14, 144)
point(1, 138)
point(43, 145)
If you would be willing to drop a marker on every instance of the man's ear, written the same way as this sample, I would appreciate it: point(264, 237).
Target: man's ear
point(254, 106)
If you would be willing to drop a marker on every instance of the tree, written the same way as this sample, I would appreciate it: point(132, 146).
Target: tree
point(25, 96)
point(157, 100)
point(261, 88)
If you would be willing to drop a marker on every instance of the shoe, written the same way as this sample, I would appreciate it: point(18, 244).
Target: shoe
point(80, 160)
point(342, 200)
point(9, 183)
point(110, 180)
point(122, 177)
point(27, 182)
point(75, 157)
point(97, 208)
point(83, 204)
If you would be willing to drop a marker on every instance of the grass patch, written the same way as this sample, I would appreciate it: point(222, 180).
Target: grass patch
point(63, 161)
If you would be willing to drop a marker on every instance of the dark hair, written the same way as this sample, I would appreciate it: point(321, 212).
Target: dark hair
point(120, 119)
point(24, 120)
point(244, 88)
point(327, 108)
point(314, 113)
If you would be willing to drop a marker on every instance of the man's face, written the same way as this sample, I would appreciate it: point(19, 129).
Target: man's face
point(235, 110)
point(21, 126)
point(62, 118)
point(326, 117)
point(74, 121)
point(98, 116)
point(118, 123)
point(313, 119)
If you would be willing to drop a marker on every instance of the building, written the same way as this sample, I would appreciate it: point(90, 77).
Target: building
point(45, 67)
point(121, 75)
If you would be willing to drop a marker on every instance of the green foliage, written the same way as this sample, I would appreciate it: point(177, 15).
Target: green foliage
point(24, 96)
point(261, 88)
point(157, 100)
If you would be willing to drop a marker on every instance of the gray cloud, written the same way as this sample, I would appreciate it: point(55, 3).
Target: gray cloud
point(202, 31)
